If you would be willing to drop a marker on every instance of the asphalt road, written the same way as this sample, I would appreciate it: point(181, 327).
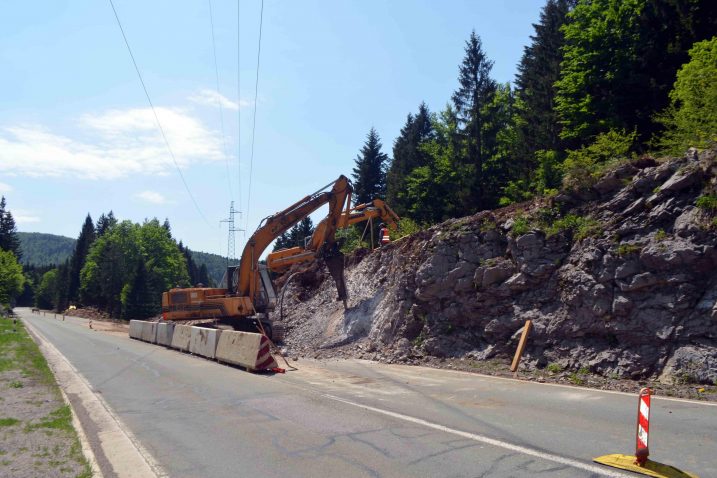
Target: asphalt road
point(356, 418)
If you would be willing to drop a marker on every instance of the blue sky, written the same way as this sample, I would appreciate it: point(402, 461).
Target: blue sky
point(77, 134)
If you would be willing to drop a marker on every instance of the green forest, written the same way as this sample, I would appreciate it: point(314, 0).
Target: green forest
point(117, 266)
point(39, 249)
point(601, 82)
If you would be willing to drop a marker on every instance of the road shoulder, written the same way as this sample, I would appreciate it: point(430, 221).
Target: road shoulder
point(111, 448)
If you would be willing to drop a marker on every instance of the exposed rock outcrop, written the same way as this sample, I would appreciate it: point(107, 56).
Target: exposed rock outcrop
point(635, 297)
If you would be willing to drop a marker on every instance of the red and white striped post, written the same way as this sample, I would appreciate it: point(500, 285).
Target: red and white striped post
point(643, 427)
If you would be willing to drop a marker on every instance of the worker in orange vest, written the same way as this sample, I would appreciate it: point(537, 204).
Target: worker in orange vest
point(384, 238)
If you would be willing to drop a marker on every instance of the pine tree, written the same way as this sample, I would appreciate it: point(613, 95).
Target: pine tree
point(475, 93)
point(8, 231)
point(538, 125)
point(408, 154)
point(105, 223)
point(369, 175)
point(192, 268)
point(282, 242)
point(77, 262)
point(304, 230)
point(62, 287)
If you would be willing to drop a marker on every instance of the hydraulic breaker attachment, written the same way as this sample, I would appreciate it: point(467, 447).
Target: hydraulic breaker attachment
point(335, 262)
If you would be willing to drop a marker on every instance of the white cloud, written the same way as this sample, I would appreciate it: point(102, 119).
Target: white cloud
point(208, 97)
point(5, 188)
point(111, 145)
point(22, 216)
point(152, 197)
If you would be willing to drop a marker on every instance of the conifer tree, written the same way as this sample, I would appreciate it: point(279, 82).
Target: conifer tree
point(304, 229)
point(538, 128)
point(408, 153)
point(105, 223)
point(77, 262)
point(369, 175)
point(62, 287)
point(475, 92)
point(8, 231)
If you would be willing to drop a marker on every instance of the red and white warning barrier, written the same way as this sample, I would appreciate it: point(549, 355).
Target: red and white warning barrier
point(643, 426)
point(639, 463)
point(247, 349)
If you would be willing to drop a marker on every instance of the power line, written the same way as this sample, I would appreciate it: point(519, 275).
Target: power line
point(219, 100)
point(159, 124)
point(253, 127)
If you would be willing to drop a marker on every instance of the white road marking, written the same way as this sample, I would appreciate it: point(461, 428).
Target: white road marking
point(487, 440)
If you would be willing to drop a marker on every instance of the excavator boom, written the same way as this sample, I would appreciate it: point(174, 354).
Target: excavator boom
point(249, 285)
point(282, 259)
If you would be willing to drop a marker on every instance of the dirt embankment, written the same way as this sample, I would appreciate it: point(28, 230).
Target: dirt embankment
point(619, 281)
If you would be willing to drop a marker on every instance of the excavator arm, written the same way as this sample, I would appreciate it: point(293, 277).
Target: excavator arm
point(247, 280)
point(377, 209)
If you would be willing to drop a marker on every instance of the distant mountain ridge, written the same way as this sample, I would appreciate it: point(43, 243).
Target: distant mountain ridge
point(41, 249)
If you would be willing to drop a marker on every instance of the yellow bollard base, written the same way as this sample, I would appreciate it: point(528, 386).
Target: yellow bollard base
point(651, 468)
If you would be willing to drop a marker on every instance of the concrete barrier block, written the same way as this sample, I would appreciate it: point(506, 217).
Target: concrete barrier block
point(204, 341)
point(247, 349)
point(135, 329)
point(181, 336)
point(149, 332)
point(165, 330)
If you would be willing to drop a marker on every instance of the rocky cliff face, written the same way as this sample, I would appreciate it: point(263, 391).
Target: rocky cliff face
point(620, 279)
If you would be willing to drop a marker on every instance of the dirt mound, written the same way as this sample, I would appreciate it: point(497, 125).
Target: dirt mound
point(88, 313)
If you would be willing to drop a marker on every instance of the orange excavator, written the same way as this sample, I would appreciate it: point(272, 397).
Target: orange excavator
point(281, 260)
point(249, 297)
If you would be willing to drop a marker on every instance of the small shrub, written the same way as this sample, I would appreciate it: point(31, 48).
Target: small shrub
point(418, 341)
point(660, 235)
point(487, 225)
point(490, 262)
point(581, 227)
point(515, 191)
point(16, 384)
point(520, 226)
point(350, 240)
point(555, 368)
point(406, 227)
point(627, 249)
point(584, 166)
point(576, 379)
point(707, 202)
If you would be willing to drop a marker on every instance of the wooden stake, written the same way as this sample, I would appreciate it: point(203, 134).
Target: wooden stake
point(521, 347)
